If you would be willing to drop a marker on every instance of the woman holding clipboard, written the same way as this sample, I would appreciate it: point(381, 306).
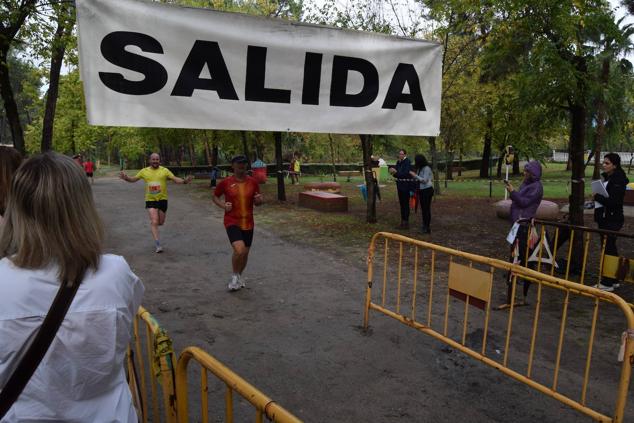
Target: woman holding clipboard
point(608, 210)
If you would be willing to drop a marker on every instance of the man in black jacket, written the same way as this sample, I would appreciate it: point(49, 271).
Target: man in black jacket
point(609, 215)
point(404, 185)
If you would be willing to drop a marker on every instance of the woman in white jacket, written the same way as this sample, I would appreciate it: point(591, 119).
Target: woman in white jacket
point(425, 178)
point(51, 233)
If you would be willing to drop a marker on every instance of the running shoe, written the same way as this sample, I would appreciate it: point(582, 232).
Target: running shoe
point(241, 280)
point(158, 249)
point(234, 285)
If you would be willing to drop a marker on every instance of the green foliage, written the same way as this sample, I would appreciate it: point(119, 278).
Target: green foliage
point(26, 83)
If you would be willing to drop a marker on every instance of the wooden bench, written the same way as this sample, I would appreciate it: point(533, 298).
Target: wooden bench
point(333, 187)
point(323, 201)
point(349, 173)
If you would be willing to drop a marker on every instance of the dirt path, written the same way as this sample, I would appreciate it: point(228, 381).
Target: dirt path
point(294, 332)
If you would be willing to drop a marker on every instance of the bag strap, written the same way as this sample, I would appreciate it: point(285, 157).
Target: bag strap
point(38, 348)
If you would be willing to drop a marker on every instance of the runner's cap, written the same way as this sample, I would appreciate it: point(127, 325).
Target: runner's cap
point(239, 159)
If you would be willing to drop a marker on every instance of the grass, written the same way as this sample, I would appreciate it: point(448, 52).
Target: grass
point(555, 180)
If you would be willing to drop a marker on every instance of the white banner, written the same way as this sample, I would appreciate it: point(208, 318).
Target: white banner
point(157, 65)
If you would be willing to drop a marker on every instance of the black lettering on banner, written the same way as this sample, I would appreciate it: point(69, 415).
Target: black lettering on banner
point(341, 65)
point(404, 73)
point(254, 89)
point(205, 53)
point(113, 50)
point(312, 78)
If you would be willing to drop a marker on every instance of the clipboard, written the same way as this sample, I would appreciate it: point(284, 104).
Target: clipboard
point(598, 188)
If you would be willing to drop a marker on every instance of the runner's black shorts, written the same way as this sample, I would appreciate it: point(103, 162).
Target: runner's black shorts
point(236, 234)
point(89, 174)
point(160, 204)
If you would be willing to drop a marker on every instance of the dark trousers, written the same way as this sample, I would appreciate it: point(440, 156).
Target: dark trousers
point(522, 239)
point(610, 242)
point(403, 200)
point(424, 198)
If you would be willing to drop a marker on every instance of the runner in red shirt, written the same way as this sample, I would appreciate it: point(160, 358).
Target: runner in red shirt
point(241, 192)
point(89, 168)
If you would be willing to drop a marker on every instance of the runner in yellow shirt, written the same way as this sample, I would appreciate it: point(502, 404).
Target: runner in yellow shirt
point(155, 177)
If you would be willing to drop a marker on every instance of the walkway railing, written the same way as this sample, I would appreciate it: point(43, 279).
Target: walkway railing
point(263, 405)
point(158, 369)
point(421, 283)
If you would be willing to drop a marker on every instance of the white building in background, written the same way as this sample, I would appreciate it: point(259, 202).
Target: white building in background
point(562, 156)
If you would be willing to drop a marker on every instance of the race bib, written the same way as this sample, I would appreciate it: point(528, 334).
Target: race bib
point(154, 188)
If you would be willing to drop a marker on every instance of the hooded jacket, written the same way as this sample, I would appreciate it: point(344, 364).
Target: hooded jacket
point(526, 200)
point(612, 210)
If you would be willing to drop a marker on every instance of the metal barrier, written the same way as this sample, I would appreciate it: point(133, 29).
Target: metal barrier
point(591, 256)
point(437, 273)
point(160, 366)
point(263, 404)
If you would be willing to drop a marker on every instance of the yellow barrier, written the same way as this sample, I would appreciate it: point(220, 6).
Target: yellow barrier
point(591, 254)
point(160, 361)
point(263, 404)
point(472, 283)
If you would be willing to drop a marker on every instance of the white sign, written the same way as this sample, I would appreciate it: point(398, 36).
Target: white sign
point(157, 65)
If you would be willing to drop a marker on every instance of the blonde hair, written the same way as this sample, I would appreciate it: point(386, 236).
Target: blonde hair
point(51, 218)
point(10, 160)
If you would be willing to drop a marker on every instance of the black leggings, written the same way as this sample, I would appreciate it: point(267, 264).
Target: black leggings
point(403, 199)
point(424, 198)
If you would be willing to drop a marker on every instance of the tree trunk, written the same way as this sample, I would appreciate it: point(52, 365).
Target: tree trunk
point(486, 151)
point(214, 154)
point(516, 164)
point(65, 22)
point(10, 106)
point(192, 154)
point(577, 136)
point(179, 156)
point(434, 163)
point(73, 144)
point(281, 189)
point(499, 165)
point(260, 146)
point(366, 146)
point(569, 161)
point(207, 148)
point(245, 146)
point(109, 148)
point(449, 166)
point(601, 118)
point(460, 162)
point(332, 155)
point(8, 30)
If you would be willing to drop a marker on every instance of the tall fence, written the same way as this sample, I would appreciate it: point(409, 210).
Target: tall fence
point(152, 367)
point(448, 295)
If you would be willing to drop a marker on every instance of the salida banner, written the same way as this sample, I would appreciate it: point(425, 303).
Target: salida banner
point(156, 65)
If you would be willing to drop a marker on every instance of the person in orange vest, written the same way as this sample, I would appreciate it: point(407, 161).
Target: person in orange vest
point(89, 168)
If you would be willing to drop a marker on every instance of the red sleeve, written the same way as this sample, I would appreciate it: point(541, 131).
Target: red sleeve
point(220, 188)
